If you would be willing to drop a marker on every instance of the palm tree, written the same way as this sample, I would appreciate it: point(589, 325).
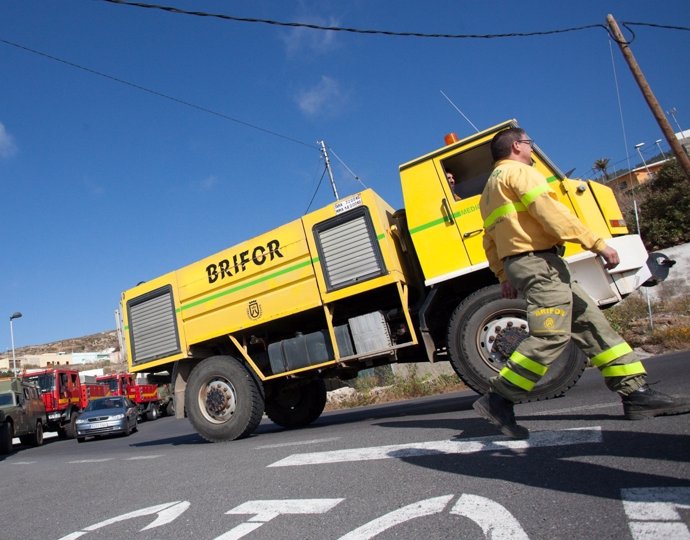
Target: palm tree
point(602, 165)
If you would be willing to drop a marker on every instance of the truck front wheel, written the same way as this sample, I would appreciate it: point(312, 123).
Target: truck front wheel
point(484, 330)
point(296, 403)
point(223, 399)
point(70, 428)
point(6, 436)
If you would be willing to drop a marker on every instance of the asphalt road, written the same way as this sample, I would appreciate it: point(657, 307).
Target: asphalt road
point(425, 468)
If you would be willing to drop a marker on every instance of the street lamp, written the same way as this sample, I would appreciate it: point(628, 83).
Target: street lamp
point(673, 112)
point(14, 316)
point(658, 145)
point(637, 147)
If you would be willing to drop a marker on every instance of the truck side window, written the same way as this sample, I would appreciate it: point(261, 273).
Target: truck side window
point(470, 169)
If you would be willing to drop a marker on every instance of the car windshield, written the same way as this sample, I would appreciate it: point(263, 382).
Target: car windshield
point(101, 404)
point(6, 398)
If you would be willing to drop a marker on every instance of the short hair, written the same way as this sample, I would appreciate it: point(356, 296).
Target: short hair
point(503, 141)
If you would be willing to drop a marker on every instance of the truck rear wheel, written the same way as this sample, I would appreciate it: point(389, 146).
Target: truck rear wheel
point(223, 399)
point(485, 328)
point(35, 438)
point(297, 403)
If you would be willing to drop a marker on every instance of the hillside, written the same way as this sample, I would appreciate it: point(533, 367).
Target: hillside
point(92, 343)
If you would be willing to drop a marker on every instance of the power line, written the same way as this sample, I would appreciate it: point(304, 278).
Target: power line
point(179, 11)
point(159, 94)
point(312, 26)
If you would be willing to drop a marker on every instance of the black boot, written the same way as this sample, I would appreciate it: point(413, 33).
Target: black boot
point(499, 411)
point(647, 403)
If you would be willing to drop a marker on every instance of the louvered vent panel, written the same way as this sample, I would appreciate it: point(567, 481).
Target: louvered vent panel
point(152, 326)
point(349, 255)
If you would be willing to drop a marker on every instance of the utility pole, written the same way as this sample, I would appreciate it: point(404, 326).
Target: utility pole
point(657, 111)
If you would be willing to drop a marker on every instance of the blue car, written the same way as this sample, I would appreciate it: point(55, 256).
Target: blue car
point(107, 416)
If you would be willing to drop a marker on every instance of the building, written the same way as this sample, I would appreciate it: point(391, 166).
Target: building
point(625, 183)
point(60, 359)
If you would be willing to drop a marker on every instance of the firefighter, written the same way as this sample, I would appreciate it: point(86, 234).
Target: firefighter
point(525, 228)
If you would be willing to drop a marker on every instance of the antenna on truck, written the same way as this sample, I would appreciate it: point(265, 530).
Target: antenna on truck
point(328, 168)
point(463, 114)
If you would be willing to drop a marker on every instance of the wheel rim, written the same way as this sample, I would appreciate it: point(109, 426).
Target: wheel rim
point(501, 332)
point(218, 400)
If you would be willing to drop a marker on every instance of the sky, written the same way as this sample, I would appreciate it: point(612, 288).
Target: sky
point(136, 141)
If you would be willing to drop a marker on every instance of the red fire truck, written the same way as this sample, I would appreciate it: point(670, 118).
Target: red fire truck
point(64, 396)
point(144, 395)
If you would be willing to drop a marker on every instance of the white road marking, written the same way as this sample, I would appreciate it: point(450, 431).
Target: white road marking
point(298, 443)
point(406, 513)
point(494, 519)
point(46, 435)
point(429, 448)
point(101, 460)
point(266, 510)
point(653, 512)
point(136, 458)
point(165, 514)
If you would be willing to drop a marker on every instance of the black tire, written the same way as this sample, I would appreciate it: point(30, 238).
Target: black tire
point(6, 436)
point(170, 408)
point(81, 439)
point(70, 429)
point(297, 404)
point(152, 413)
point(473, 330)
point(35, 438)
point(223, 400)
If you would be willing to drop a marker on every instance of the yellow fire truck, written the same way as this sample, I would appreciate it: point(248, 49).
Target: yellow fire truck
point(259, 326)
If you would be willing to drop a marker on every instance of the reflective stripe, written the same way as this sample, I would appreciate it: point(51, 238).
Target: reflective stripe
point(517, 380)
point(528, 198)
point(614, 353)
point(636, 368)
point(528, 364)
point(504, 210)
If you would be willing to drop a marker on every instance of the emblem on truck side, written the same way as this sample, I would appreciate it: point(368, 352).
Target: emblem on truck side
point(228, 268)
point(254, 310)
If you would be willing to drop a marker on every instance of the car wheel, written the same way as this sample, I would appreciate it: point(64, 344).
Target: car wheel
point(81, 439)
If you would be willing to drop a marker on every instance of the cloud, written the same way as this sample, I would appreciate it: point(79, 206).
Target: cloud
point(326, 97)
point(93, 188)
point(7, 146)
point(208, 183)
point(300, 39)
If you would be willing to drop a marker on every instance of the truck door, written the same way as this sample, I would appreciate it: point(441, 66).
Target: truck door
point(445, 223)
point(470, 167)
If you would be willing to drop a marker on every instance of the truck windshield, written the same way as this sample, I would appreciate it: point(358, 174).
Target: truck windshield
point(6, 398)
point(112, 384)
point(45, 381)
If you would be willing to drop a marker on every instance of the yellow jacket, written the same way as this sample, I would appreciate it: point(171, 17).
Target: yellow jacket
point(522, 213)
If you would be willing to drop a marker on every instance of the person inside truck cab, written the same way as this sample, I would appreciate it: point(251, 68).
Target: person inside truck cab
point(451, 184)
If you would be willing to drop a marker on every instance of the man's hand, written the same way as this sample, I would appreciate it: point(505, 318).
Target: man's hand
point(508, 291)
point(610, 256)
